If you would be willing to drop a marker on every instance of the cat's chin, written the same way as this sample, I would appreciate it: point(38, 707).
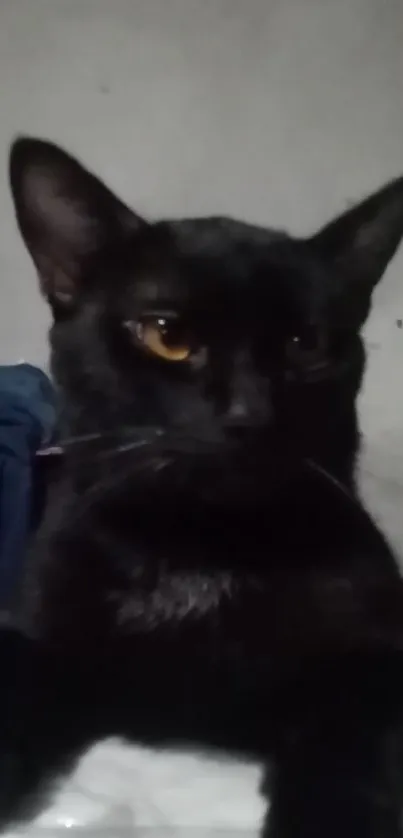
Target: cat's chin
point(246, 490)
point(243, 480)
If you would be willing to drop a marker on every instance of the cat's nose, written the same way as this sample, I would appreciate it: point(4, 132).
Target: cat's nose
point(249, 403)
point(241, 417)
point(237, 413)
point(248, 409)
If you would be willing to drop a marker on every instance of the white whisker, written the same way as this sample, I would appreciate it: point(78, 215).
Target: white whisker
point(72, 440)
point(129, 446)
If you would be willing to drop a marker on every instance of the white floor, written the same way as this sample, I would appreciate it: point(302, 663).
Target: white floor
point(125, 792)
point(279, 111)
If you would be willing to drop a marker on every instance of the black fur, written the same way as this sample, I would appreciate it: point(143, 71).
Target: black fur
point(205, 571)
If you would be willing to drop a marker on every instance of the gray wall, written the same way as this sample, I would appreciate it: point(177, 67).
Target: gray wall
point(279, 111)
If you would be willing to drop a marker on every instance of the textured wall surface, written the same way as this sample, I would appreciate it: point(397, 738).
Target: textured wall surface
point(279, 111)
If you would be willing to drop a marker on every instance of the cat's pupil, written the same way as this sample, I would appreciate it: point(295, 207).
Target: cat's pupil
point(172, 332)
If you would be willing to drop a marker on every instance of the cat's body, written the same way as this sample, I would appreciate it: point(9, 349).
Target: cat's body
point(205, 572)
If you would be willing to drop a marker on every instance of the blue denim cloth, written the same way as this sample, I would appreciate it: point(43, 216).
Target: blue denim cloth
point(27, 421)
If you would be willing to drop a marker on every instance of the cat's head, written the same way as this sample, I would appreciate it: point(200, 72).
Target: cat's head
point(216, 330)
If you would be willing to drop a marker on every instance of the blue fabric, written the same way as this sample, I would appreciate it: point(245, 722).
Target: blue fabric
point(27, 421)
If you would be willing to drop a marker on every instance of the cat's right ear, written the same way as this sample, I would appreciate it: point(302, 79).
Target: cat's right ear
point(358, 246)
point(65, 214)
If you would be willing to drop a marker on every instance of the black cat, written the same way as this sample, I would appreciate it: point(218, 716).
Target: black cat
point(205, 572)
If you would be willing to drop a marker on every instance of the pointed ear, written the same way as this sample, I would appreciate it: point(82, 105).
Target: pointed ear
point(66, 215)
point(360, 244)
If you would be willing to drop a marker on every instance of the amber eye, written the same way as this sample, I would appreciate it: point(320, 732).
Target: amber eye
point(162, 336)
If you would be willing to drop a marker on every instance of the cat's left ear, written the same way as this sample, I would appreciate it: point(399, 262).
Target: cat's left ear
point(359, 245)
point(67, 217)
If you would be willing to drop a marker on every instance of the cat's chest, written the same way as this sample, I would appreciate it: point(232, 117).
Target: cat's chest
point(232, 587)
point(174, 596)
point(87, 595)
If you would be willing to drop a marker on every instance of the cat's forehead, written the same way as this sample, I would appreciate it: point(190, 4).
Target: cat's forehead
point(210, 262)
point(221, 234)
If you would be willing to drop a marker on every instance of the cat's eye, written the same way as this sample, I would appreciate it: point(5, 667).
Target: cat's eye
point(164, 336)
point(307, 350)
